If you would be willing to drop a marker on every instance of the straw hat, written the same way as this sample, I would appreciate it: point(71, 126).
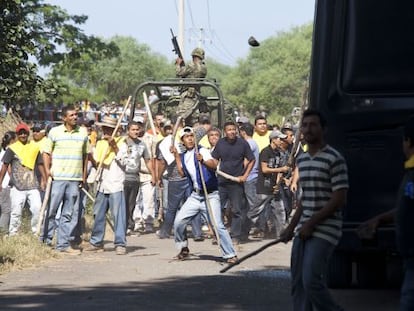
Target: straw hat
point(108, 121)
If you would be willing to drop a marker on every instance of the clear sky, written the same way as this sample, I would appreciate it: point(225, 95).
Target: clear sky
point(227, 24)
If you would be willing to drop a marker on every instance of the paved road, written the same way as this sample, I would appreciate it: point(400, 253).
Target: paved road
point(148, 279)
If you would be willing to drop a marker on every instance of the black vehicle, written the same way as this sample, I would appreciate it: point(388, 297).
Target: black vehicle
point(362, 79)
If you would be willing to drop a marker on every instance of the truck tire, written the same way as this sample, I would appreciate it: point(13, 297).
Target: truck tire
point(371, 270)
point(340, 270)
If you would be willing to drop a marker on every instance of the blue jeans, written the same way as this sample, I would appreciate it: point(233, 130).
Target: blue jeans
point(407, 289)
point(234, 193)
point(115, 202)
point(257, 213)
point(178, 192)
point(194, 205)
point(67, 193)
point(309, 262)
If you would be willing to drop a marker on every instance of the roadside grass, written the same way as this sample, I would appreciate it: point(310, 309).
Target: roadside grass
point(24, 250)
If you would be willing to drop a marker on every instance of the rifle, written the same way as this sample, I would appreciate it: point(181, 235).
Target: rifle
point(176, 49)
point(291, 158)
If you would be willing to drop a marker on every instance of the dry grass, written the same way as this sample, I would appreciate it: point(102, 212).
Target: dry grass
point(25, 250)
point(22, 251)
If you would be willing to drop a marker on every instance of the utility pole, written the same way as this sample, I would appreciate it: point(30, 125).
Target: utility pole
point(200, 37)
point(180, 36)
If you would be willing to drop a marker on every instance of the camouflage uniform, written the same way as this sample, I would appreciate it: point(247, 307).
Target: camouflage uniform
point(190, 97)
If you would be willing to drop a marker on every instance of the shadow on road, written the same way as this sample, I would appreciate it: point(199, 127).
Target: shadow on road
point(247, 290)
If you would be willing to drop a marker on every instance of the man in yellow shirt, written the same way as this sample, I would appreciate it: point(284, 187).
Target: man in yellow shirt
point(261, 133)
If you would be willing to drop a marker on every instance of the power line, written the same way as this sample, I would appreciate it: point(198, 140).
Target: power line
point(208, 15)
point(191, 13)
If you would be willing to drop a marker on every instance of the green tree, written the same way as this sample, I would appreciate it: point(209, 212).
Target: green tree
point(116, 77)
point(31, 32)
point(273, 74)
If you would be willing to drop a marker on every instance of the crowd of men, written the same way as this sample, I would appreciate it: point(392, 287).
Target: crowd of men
point(139, 176)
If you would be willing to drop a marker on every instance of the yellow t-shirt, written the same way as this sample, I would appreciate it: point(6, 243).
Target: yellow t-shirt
point(262, 140)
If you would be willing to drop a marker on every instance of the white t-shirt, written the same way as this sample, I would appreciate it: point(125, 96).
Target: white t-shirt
point(190, 164)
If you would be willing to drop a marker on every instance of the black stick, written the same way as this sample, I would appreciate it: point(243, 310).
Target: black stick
point(257, 251)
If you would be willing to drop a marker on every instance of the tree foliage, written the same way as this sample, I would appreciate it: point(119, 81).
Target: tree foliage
point(271, 78)
point(116, 77)
point(33, 32)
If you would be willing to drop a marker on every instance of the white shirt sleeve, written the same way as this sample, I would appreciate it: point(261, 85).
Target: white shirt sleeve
point(205, 153)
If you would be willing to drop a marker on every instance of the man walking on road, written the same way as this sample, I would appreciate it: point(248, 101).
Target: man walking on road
point(318, 220)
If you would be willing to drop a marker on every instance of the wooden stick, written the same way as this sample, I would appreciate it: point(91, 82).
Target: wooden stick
point(175, 129)
point(93, 200)
point(259, 250)
point(44, 204)
point(114, 132)
point(225, 175)
point(209, 209)
point(150, 119)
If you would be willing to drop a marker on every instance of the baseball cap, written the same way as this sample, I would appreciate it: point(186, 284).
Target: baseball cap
point(186, 130)
point(243, 120)
point(22, 126)
point(277, 134)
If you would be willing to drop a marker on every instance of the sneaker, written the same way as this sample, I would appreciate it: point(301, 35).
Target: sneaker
point(198, 239)
point(232, 260)
point(161, 235)
point(120, 250)
point(184, 253)
point(69, 251)
point(258, 235)
point(94, 248)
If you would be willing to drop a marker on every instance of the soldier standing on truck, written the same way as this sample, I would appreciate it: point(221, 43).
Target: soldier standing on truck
point(195, 69)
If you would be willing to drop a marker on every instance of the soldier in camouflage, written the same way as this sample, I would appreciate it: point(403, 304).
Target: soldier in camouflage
point(196, 69)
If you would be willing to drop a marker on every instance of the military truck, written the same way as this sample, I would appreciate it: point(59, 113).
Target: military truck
point(362, 79)
point(167, 95)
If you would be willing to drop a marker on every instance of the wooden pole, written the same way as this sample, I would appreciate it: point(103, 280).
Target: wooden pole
point(99, 169)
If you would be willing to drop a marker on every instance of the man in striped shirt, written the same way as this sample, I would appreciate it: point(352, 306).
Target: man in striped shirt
point(65, 158)
point(317, 224)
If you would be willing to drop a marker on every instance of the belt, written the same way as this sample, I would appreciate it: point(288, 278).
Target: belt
point(201, 192)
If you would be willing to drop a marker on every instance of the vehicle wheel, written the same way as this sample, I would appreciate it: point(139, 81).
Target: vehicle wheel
point(371, 270)
point(340, 270)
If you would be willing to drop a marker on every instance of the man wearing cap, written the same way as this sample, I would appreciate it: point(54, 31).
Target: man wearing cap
point(65, 158)
point(111, 154)
point(236, 159)
point(188, 164)
point(269, 166)
point(22, 157)
point(176, 186)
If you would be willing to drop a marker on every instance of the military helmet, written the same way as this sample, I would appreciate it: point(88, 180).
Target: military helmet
point(199, 52)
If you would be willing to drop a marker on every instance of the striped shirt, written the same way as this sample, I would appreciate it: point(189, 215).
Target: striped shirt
point(67, 150)
point(319, 176)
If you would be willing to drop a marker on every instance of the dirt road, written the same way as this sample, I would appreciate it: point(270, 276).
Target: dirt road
point(148, 279)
